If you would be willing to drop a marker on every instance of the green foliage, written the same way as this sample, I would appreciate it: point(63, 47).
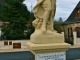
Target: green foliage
point(30, 27)
point(58, 25)
point(17, 14)
point(69, 41)
point(60, 20)
point(0, 11)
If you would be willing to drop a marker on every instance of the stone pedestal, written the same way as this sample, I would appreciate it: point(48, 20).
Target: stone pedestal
point(48, 46)
point(53, 51)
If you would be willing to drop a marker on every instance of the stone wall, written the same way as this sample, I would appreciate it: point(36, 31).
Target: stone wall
point(3, 46)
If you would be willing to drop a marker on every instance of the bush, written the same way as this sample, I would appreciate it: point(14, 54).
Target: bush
point(69, 41)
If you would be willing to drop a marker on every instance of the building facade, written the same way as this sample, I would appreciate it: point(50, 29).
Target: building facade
point(72, 26)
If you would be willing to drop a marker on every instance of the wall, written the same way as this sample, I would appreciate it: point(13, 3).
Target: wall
point(76, 40)
point(0, 33)
point(23, 44)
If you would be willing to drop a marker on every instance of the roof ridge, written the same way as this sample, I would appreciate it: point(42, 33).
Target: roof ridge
point(72, 16)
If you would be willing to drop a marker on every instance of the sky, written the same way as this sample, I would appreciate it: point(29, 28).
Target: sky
point(64, 7)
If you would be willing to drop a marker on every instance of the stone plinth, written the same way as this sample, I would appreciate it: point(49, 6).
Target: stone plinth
point(47, 51)
point(36, 47)
point(47, 46)
point(46, 38)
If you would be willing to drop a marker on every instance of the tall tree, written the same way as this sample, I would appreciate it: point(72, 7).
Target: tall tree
point(58, 25)
point(1, 3)
point(17, 14)
point(60, 20)
point(0, 11)
point(30, 26)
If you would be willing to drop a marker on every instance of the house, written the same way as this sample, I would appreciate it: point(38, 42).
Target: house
point(72, 26)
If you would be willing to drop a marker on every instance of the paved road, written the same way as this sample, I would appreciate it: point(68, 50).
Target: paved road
point(71, 55)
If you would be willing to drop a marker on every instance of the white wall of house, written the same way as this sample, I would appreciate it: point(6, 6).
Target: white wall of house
point(23, 44)
point(0, 33)
point(75, 38)
point(78, 41)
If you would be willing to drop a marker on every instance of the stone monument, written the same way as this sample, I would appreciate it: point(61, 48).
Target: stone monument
point(45, 43)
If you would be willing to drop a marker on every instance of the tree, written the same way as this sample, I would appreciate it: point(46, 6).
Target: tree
point(1, 3)
point(0, 11)
point(60, 20)
point(58, 25)
point(17, 14)
point(30, 28)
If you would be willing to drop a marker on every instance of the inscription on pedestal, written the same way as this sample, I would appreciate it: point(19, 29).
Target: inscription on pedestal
point(52, 56)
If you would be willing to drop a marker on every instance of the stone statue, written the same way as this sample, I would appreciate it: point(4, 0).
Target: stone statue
point(44, 12)
point(45, 40)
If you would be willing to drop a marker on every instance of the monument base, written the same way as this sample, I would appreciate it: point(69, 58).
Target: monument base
point(47, 46)
point(49, 37)
point(53, 51)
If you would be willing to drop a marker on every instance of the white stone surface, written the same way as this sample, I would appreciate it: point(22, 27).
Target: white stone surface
point(75, 38)
point(62, 33)
point(23, 44)
point(52, 56)
point(0, 33)
point(78, 41)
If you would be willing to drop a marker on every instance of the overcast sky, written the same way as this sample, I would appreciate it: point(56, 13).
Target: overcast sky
point(64, 7)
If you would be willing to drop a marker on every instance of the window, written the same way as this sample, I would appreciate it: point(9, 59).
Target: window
point(78, 32)
point(78, 13)
point(70, 33)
